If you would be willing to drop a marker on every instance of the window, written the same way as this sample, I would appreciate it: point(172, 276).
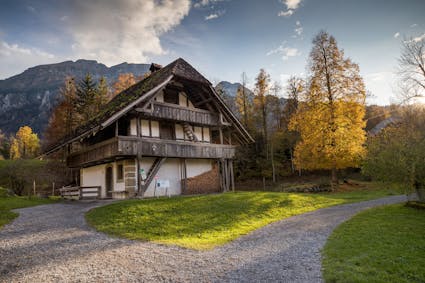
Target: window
point(150, 128)
point(166, 131)
point(171, 97)
point(120, 172)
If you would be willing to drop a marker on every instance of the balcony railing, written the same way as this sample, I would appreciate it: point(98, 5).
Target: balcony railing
point(181, 113)
point(125, 146)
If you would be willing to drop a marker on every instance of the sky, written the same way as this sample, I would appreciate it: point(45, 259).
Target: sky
point(221, 38)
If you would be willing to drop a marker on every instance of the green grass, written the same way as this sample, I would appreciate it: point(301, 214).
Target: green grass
point(9, 203)
point(384, 244)
point(204, 222)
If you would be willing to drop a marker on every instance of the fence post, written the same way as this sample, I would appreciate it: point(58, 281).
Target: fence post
point(53, 189)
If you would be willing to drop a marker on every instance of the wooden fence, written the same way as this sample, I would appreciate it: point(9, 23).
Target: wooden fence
point(79, 193)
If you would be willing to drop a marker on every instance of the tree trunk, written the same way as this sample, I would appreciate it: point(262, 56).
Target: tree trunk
point(420, 191)
point(334, 179)
point(273, 168)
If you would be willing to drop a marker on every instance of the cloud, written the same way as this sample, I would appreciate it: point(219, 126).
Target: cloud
point(287, 13)
point(396, 35)
point(413, 25)
point(381, 85)
point(204, 3)
point(117, 31)
point(419, 38)
point(298, 29)
point(291, 6)
point(214, 15)
point(285, 52)
point(15, 58)
point(211, 16)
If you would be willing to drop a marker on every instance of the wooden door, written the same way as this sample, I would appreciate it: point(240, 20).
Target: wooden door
point(166, 131)
point(109, 182)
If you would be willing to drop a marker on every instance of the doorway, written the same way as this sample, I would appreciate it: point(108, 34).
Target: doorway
point(109, 181)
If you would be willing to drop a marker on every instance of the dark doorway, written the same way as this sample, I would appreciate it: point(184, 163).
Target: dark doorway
point(109, 182)
point(166, 131)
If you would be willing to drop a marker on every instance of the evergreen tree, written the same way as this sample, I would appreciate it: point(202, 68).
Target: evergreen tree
point(87, 98)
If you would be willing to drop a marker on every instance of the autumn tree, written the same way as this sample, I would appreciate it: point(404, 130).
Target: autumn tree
point(4, 146)
point(397, 153)
point(330, 119)
point(25, 144)
point(244, 103)
point(412, 68)
point(262, 86)
point(64, 118)
point(124, 81)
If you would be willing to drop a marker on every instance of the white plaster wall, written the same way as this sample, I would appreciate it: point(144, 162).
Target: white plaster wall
point(95, 176)
point(119, 186)
point(155, 129)
point(207, 137)
point(179, 132)
point(170, 170)
point(196, 167)
point(160, 96)
point(198, 132)
point(133, 127)
point(145, 127)
point(182, 99)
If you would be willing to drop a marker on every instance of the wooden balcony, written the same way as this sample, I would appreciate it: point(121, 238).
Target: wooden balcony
point(180, 113)
point(125, 146)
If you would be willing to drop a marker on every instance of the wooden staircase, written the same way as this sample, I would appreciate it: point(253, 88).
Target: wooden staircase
point(189, 132)
point(151, 174)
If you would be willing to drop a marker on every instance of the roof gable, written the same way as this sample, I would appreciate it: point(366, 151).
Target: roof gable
point(143, 91)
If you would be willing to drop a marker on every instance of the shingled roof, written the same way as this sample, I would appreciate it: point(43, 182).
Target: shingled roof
point(136, 94)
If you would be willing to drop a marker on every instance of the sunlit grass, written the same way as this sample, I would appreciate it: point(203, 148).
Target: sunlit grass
point(204, 222)
point(385, 244)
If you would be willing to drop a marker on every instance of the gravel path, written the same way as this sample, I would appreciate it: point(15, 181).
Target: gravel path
point(52, 243)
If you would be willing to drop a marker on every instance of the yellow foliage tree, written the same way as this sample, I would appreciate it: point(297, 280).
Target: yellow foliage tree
point(330, 118)
point(25, 144)
point(123, 82)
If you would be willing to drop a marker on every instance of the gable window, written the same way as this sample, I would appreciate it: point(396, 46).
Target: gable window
point(171, 97)
point(149, 128)
point(120, 172)
point(166, 131)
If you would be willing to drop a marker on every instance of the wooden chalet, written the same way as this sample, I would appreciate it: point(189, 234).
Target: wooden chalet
point(169, 134)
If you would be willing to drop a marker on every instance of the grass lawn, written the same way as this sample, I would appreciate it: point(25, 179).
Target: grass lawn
point(9, 203)
point(384, 244)
point(203, 222)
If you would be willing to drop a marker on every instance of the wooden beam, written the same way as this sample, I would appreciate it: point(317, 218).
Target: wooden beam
point(138, 130)
point(202, 102)
point(232, 176)
point(221, 135)
point(184, 175)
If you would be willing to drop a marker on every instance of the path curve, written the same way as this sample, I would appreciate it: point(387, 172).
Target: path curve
point(52, 243)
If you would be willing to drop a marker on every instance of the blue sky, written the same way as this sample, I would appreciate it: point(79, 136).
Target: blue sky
point(222, 38)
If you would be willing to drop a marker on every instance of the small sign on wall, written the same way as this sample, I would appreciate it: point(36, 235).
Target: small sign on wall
point(162, 184)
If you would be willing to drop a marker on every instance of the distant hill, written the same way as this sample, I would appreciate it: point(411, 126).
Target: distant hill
point(231, 89)
point(28, 98)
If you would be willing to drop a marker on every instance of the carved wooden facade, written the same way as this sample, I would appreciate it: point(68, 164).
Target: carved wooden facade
point(174, 113)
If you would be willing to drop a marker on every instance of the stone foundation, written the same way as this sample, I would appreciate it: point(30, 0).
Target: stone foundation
point(208, 182)
point(130, 177)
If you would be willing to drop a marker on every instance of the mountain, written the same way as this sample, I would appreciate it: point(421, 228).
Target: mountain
point(28, 98)
point(230, 89)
